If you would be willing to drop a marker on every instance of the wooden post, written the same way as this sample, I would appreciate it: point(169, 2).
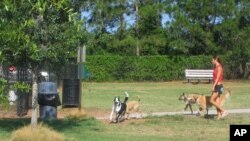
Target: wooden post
point(34, 100)
point(81, 59)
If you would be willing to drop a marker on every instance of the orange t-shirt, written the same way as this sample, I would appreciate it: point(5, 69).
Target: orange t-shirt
point(215, 73)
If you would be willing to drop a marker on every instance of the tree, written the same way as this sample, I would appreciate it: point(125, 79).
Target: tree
point(37, 34)
point(3, 90)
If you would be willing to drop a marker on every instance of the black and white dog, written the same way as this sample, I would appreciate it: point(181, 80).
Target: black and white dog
point(119, 108)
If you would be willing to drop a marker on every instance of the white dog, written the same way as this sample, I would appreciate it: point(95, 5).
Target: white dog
point(119, 108)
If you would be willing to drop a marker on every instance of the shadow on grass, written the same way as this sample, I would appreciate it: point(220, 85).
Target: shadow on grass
point(197, 82)
point(13, 124)
point(61, 125)
point(212, 116)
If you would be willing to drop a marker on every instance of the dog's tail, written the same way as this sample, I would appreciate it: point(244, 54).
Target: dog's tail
point(228, 93)
point(226, 96)
point(126, 97)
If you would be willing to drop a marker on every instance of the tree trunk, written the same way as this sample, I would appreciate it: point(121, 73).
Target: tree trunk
point(137, 28)
point(34, 100)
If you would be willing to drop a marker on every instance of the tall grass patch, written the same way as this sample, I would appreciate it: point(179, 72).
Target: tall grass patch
point(38, 133)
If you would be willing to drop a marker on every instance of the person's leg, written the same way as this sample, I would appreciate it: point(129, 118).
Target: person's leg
point(218, 111)
point(219, 89)
point(213, 98)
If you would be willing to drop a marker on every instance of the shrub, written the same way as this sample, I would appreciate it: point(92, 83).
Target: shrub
point(143, 68)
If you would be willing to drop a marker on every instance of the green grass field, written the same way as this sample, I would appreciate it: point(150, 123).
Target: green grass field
point(173, 128)
point(155, 97)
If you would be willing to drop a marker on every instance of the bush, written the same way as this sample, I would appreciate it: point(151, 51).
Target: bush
point(143, 68)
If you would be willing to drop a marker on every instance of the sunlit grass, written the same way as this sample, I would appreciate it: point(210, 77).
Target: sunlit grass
point(159, 96)
point(172, 128)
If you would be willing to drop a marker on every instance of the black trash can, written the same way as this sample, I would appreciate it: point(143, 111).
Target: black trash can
point(48, 100)
point(70, 95)
point(23, 103)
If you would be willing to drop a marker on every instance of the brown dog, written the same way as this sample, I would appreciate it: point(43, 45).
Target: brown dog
point(189, 100)
point(133, 107)
point(203, 101)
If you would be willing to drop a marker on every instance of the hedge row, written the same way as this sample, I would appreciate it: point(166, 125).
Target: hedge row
point(144, 68)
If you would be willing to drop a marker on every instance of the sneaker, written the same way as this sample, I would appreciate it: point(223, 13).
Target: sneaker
point(225, 113)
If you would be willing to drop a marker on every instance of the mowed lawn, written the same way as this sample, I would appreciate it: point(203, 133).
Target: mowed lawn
point(160, 97)
point(155, 97)
point(166, 128)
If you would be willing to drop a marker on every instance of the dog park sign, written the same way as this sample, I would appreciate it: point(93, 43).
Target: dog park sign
point(239, 132)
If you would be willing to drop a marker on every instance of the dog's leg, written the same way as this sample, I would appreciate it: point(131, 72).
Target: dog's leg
point(203, 111)
point(199, 112)
point(207, 110)
point(123, 116)
point(119, 117)
point(186, 107)
point(140, 112)
point(111, 114)
point(127, 115)
point(190, 107)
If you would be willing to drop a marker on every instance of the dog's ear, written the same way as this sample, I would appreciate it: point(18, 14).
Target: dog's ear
point(116, 98)
point(183, 93)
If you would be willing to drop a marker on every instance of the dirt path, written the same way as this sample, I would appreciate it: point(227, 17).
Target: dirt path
point(211, 112)
point(104, 115)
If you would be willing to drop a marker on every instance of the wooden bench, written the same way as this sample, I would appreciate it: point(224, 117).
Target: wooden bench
point(199, 74)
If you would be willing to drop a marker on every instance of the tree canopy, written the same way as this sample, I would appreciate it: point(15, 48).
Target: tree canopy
point(39, 34)
point(168, 27)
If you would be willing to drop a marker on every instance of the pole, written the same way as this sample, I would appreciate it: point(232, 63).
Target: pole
point(80, 78)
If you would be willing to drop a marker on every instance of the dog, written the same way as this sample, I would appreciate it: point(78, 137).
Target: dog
point(203, 101)
point(189, 100)
point(133, 106)
point(119, 108)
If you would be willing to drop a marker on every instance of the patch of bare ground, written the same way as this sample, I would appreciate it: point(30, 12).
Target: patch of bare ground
point(10, 112)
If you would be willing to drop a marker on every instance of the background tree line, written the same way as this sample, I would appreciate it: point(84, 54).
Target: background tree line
point(191, 27)
point(47, 33)
point(170, 27)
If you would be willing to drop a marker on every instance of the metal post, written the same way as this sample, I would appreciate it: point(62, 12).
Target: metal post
point(80, 78)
